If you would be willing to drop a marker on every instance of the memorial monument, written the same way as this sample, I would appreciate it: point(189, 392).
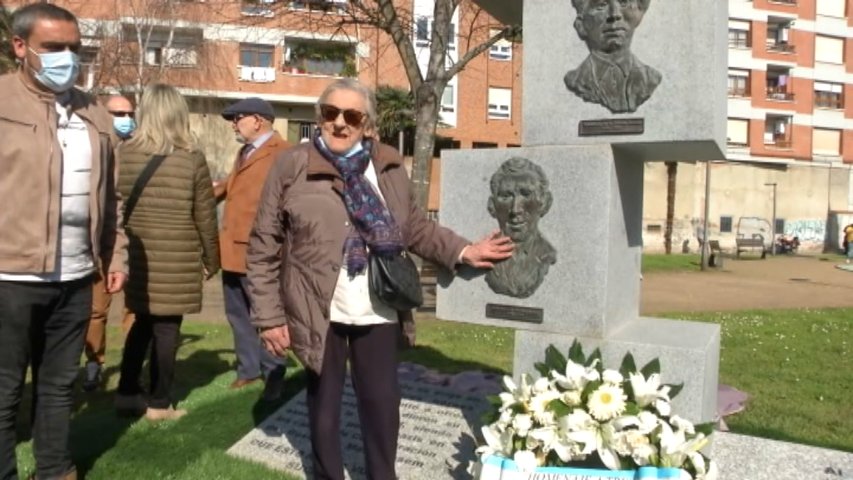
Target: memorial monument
point(588, 133)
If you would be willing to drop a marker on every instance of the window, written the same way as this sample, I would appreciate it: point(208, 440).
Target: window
point(829, 95)
point(88, 67)
point(828, 49)
point(175, 47)
point(831, 8)
point(654, 228)
point(826, 142)
point(422, 31)
point(448, 102)
point(738, 83)
point(424, 28)
point(778, 35)
point(780, 225)
point(502, 49)
point(738, 132)
point(739, 34)
point(338, 6)
point(299, 131)
point(778, 79)
point(257, 55)
point(777, 131)
point(257, 8)
point(484, 145)
point(726, 224)
point(500, 100)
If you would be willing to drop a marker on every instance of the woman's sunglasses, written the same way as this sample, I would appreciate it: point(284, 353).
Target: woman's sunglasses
point(330, 113)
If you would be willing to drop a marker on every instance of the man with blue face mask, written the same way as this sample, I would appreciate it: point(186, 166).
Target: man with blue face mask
point(56, 149)
point(123, 116)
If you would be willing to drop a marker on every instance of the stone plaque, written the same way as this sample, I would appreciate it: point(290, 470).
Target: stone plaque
point(436, 435)
point(616, 126)
point(513, 312)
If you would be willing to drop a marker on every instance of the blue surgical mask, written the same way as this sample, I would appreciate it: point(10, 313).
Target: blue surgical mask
point(124, 126)
point(59, 70)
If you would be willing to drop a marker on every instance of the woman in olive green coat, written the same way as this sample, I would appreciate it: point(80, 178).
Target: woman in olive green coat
point(173, 245)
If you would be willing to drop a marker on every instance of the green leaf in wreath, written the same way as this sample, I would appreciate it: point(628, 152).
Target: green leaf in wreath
point(596, 355)
point(576, 353)
point(707, 428)
point(559, 408)
point(554, 359)
point(651, 368)
point(628, 365)
point(674, 389)
point(542, 368)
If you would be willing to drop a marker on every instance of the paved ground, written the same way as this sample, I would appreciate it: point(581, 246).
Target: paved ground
point(777, 282)
point(783, 281)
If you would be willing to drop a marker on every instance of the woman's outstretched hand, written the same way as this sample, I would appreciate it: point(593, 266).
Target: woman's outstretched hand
point(484, 253)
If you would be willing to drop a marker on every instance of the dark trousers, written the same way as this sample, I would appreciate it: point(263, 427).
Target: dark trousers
point(42, 323)
point(166, 333)
point(372, 353)
point(253, 360)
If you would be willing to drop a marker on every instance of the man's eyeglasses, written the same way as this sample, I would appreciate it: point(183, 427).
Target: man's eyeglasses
point(121, 114)
point(236, 118)
point(352, 117)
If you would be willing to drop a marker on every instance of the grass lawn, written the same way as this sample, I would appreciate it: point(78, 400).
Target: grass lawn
point(659, 262)
point(795, 366)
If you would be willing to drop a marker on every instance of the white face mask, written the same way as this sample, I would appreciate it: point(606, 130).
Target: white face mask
point(59, 70)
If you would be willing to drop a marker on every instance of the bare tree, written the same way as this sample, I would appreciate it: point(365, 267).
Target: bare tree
point(7, 57)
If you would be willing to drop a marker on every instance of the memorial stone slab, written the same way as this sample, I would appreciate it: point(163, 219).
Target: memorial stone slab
point(436, 438)
point(671, 105)
point(689, 354)
point(593, 225)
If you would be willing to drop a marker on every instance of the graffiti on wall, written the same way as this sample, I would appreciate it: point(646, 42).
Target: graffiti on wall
point(808, 231)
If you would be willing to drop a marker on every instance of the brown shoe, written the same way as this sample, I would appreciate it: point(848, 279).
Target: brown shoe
point(71, 475)
point(243, 382)
point(159, 414)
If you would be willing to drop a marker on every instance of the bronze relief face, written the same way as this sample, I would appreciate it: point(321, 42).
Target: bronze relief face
point(520, 197)
point(611, 75)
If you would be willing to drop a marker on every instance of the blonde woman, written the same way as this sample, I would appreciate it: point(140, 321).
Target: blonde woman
point(173, 239)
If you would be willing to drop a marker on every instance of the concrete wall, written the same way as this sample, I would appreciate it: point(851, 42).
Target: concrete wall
point(812, 199)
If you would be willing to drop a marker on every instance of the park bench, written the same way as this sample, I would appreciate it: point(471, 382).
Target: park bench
point(754, 243)
point(715, 259)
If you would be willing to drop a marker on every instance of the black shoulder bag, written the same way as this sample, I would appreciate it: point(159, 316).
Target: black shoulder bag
point(139, 186)
point(395, 281)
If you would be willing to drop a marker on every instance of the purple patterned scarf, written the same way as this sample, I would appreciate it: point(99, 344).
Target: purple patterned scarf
point(374, 226)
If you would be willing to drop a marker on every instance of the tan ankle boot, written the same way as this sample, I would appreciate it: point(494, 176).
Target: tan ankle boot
point(71, 475)
point(159, 414)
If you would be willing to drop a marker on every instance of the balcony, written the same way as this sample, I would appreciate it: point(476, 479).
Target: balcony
point(780, 47)
point(780, 94)
point(319, 58)
point(257, 74)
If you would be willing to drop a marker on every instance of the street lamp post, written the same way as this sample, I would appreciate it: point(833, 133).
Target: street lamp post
point(773, 223)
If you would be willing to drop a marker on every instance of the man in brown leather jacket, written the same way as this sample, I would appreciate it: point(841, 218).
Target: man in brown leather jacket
point(61, 216)
point(251, 120)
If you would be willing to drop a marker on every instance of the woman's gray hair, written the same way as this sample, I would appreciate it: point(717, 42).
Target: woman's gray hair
point(164, 122)
point(352, 85)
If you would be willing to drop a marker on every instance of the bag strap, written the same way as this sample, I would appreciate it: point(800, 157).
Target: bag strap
point(139, 186)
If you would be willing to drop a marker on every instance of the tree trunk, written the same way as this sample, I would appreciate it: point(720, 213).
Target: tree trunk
point(426, 119)
point(671, 172)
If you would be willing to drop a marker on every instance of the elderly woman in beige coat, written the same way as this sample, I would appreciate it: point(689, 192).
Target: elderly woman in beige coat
point(173, 245)
point(327, 205)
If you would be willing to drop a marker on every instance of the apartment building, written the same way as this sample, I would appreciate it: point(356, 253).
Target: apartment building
point(789, 167)
point(287, 52)
point(790, 81)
